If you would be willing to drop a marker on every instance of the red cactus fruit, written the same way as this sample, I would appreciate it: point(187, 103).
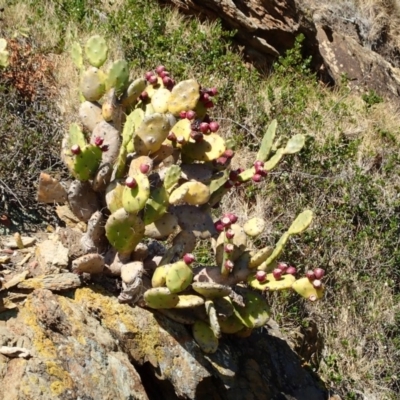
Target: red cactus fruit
point(160, 69)
point(190, 114)
point(310, 275)
point(229, 184)
point(214, 126)
point(98, 141)
point(319, 273)
point(229, 153)
point(213, 91)
point(291, 270)
point(167, 81)
point(148, 74)
point(256, 178)
point(317, 283)
point(75, 149)
point(229, 248)
point(261, 276)
point(196, 136)
point(182, 114)
point(144, 168)
point(282, 265)
point(204, 127)
point(130, 182)
point(144, 96)
point(232, 217)
point(219, 226)
point(277, 273)
point(153, 80)
point(209, 104)
point(229, 265)
point(171, 136)
point(229, 234)
point(188, 258)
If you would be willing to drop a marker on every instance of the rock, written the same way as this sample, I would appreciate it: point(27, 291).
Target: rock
point(91, 347)
point(50, 190)
point(56, 282)
point(26, 241)
point(52, 257)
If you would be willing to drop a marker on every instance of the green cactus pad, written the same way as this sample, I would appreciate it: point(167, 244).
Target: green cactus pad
point(159, 277)
point(76, 55)
point(93, 84)
point(134, 200)
point(90, 115)
point(172, 177)
point(124, 231)
point(96, 51)
point(205, 337)
point(255, 313)
point(134, 167)
point(179, 277)
point(266, 265)
point(186, 241)
point(274, 160)
point(182, 130)
point(246, 175)
point(118, 76)
point(301, 223)
point(305, 288)
point(266, 144)
point(260, 256)
point(156, 205)
point(231, 324)
point(212, 316)
point(162, 228)
point(254, 227)
point(133, 92)
point(189, 301)
point(114, 195)
point(86, 163)
point(193, 193)
point(223, 306)
point(239, 241)
point(211, 290)
point(200, 110)
point(184, 96)
point(160, 99)
point(210, 148)
point(160, 297)
point(295, 144)
point(271, 283)
point(193, 219)
point(151, 133)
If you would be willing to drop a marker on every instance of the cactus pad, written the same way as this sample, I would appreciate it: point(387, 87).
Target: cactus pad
point(232, 324)
point(189, 301)
point(159, 276)
point(96, 51)
point(160, 297)
point(266, 144)
point(211, 290)
point(118, 76)
point(114, 195)
point(162, 228)
point(301, 223)
point(254, 227)
point(151, 133)
point(76, 55)
point(184, 96)
point(186, 240)
point(295, 144)
point(90, 115)
point(194, 193)
point(134, 200)
point(160, 99)
point(156, 205)
point(274, 160)
point(182, 130)
point(205, 337)
point(255, 313)
point(213, 319)
point(133, 92)
point(260, 256)
point(210, 148)
point(86, 163)
point(179, 277)
point(93, 84)
point(111, 138)
point(239, 241)
point(305, 288)
point(124, 231)
point(172, 177)
point(271, 283)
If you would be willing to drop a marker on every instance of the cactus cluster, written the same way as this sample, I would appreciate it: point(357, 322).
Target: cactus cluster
point(148, 166)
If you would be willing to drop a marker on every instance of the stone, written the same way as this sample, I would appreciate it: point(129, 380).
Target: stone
point(52, 257)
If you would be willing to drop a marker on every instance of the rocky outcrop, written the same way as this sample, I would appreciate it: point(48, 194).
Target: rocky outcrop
point(269, 28)
point(86, 345)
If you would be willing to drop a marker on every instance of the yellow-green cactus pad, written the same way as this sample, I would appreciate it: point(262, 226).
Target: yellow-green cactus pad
point(134, 200)
point(255, 313)
point(301, 223)
point(124, 231)
point(182, 130)
point(205, 337)
point(212, 316)
point(260, 256)
point(277, 251)
point(254, 226)
point(211, 290)
point(189, 301)
point(274, 160)
point(133, 92)
point(159, 276)
point(134, 167)
point(156, 205)
point(162, 228)
point(114, 195)
point(118, 76)
point(151, 133)
point(93, 84)
point(193, 193)
point(172, 177)
point(305, 288)
point(152, 89)
point(295, 144)
point(271, 283)
point(86, 163)
point(160, 297)
point(160, 99)
point(210, 148)
point(179, 277)
point(96, 51)
point(266, 144)
point(232, 324)
point(184, 97)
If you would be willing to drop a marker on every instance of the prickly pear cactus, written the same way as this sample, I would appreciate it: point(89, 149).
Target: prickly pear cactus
point(150, 162)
